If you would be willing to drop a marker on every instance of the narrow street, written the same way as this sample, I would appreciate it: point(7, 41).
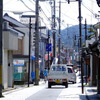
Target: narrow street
point(73, 92)
point(42, 92)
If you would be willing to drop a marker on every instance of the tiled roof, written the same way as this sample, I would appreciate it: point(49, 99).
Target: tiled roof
point(13, 21)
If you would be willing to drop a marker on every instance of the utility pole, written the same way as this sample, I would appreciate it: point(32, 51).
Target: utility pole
point(29, 16)
point(59, 30)
point(85, 30)
point(48, 50)
point(37, 44)
point(1, 20)
point(29, 50)
point(54, 36)
point(80, 31)
point(85, 44)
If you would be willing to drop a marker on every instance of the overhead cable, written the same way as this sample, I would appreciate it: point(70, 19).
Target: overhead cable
point(26, 5)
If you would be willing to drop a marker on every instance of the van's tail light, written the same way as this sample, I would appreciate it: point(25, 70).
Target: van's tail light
point(64, 80)
point(50, 79)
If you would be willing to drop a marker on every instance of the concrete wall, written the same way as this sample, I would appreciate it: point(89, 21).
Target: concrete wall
point(20, 47)
point(10, 40)
point(26, 38)
point(5, 68)
point(26, 44)
point(10, 43)
point(10, 69)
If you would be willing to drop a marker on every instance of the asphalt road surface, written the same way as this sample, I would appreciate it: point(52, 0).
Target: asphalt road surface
point(73, 92)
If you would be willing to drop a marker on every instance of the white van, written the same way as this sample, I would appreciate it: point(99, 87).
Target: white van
point(71, 74)
point(58, 75)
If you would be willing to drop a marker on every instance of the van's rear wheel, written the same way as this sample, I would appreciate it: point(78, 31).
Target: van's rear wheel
point(66, 85)
point(73, 82)
point(49, 85)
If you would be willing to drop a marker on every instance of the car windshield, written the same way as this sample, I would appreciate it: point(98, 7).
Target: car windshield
point(58, 68)
point(69, 70)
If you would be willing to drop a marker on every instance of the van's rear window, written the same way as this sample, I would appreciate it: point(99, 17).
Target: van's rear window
point(58, 68)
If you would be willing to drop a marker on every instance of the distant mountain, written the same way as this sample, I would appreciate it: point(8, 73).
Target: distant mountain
point(68, 35)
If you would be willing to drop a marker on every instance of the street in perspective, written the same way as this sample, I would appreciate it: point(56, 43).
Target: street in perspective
point(49, 49)
point(73, 92)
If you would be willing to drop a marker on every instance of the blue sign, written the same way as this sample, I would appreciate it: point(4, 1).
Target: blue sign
point(49, 47)
point(18, 62)
point(32, 57)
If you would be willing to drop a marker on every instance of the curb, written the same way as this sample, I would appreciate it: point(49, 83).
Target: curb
point(19, 87)
point(91, 93)
point(86, 93)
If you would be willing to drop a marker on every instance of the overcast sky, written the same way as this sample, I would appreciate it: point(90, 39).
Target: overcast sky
point(69, 12)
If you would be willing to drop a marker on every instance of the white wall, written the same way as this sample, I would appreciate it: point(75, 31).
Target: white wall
point(5, 68)
point(10, 69)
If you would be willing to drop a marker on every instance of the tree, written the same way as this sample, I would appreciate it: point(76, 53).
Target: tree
point(92, 30)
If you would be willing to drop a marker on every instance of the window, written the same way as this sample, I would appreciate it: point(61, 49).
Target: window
point(63, 68)
point(58, 68)
point(69, 70)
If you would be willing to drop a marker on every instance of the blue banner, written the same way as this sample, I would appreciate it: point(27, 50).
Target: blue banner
point(33, 75)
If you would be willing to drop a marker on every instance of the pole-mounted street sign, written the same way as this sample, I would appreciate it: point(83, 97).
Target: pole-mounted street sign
point(48, 47)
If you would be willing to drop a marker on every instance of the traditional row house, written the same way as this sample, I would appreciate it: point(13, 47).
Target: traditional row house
point(11, 39)
point(92, 58)
point(16, 51)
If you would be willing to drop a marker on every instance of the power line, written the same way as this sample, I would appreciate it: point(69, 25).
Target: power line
point(26, 5)
point(33, 10)
point(47, 8)
point(31, 2)
point(88, 9)
point(69, 17)
point(45, 14)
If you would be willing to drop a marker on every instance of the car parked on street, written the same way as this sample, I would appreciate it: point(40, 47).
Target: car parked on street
point(71, 74)
point(58, 75)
